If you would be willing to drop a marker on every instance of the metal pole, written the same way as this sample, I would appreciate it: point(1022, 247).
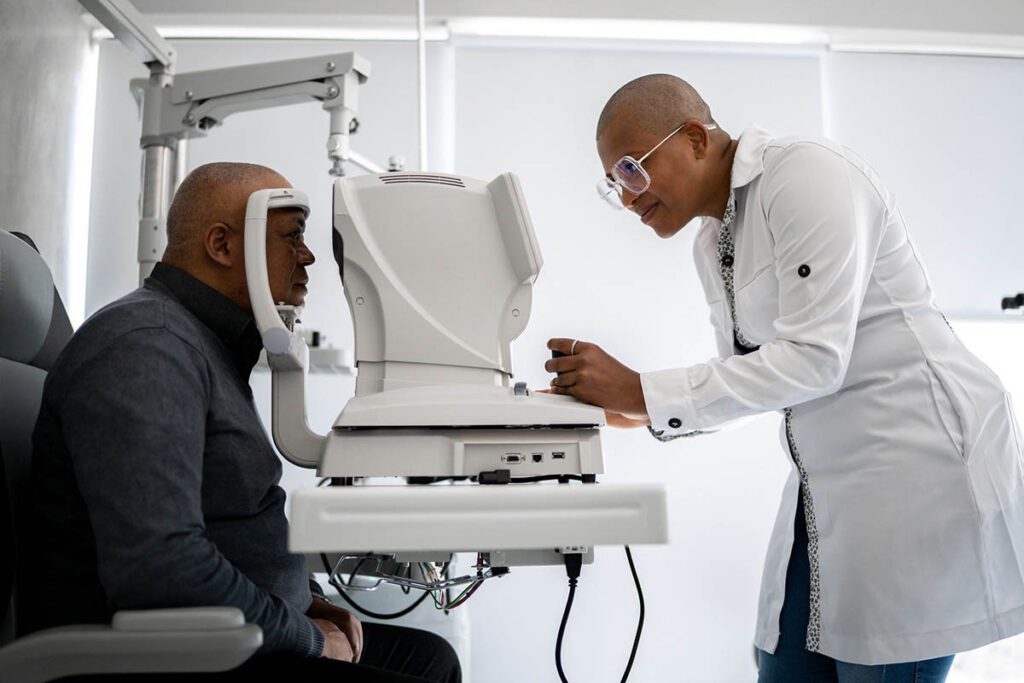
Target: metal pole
point(180, 166)
point(158, 171)
point(156, 190)
point(421, 45)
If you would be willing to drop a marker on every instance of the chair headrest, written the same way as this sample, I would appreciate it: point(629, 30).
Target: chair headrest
point(26, 299)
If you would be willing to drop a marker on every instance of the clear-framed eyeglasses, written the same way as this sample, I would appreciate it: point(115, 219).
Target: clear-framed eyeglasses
point(630, 175)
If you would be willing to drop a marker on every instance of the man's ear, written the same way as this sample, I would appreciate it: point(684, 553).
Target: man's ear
point(221, 245)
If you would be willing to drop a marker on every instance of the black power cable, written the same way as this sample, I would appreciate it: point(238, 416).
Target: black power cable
point(640, 621)
point(573, 564)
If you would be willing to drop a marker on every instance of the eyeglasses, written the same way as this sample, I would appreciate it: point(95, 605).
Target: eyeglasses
point(629, 174)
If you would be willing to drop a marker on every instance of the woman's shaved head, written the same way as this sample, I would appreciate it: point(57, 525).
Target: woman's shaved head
point(655, 103)
point(662, 124)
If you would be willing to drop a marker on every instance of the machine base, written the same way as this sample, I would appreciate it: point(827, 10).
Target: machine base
point(462, 452)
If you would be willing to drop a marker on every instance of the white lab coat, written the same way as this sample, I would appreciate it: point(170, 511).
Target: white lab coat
point(909, 443)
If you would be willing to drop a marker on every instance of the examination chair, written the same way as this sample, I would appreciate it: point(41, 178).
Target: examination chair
point(33, 329)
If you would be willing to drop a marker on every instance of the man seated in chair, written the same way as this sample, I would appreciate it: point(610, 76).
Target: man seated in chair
point(153, 482)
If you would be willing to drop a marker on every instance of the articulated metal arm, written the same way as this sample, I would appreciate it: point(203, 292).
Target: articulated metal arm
point(197, 101)
point(176, 108)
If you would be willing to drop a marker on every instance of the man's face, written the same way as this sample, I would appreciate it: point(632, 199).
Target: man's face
point(287, 255)
point(675, 193)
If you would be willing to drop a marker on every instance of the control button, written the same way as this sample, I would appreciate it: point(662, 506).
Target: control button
point(727, 261)
point(804, 270)
point(675, 423)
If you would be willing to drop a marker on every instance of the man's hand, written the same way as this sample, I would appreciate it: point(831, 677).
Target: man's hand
point(594, 377)
point(341, 619)
point(336, 643)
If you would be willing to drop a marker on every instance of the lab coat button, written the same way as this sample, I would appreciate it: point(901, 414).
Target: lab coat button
point(727, 261)
point(675, 423)
point(804, 270)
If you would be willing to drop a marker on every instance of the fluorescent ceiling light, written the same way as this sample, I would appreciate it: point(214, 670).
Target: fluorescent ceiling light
point(317, 33)
point(611, 30)
point(433, 34)
point(638, 29)
point(921, 42)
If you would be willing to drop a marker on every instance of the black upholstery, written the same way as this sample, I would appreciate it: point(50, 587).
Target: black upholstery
point(60, 324)
point(21, 388)
point(7, 540)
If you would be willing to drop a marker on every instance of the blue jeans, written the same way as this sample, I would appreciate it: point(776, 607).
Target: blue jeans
point(791, 663)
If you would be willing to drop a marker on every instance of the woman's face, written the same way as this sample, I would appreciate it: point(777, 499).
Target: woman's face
point(676, 195)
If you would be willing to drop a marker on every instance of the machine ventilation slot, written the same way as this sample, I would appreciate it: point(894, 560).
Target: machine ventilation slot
point(395, 178)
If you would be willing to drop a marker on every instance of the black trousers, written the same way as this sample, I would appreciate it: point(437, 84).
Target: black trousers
point(391, 654)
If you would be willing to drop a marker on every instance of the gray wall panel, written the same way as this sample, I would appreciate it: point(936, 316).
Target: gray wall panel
point(44, 49)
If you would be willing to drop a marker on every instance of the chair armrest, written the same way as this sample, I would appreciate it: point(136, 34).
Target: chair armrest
point(191, 639)
point(180, 619)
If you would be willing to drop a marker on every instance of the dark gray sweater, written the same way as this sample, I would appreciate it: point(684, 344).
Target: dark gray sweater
point(153, 481)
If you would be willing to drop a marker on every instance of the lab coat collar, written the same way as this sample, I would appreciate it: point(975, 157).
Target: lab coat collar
point(749, 160)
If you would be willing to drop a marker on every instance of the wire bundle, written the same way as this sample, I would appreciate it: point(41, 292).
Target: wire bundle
point(441, 597)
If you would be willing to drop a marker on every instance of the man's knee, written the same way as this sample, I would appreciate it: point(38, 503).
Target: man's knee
point(446, 667)
point(411, 651)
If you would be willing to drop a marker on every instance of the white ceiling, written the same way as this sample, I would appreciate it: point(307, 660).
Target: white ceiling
point(978, 27)
point(997, 17)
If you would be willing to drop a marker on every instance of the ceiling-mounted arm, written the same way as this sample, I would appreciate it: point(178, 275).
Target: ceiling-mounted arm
point(175, 108)
point(188, 105)
point(132, 30)
point(197, 101)
point(159, 179)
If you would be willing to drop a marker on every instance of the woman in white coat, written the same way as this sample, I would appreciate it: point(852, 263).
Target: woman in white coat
point(900, 537)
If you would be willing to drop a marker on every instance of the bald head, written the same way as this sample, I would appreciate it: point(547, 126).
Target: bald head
point(656, 103)
point(662, 124)
point(212, 193)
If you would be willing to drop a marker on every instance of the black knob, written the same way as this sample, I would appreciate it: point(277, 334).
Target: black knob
point(1013, 302)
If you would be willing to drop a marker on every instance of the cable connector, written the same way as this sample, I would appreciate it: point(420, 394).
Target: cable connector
point(495, 477)
point(573, 566)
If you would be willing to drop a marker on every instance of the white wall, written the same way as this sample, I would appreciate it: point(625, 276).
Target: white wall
point(116, 171)
point(47, 86)
point(945, 135)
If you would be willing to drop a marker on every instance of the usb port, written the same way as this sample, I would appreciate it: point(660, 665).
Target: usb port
point(558, 455)
point(512, 458)
point(538, 457)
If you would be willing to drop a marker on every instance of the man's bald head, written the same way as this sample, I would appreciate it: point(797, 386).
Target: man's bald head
point(212, 193)
point(656, 103)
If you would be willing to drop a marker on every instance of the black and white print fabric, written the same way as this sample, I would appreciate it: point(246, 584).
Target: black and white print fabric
point(726, 259)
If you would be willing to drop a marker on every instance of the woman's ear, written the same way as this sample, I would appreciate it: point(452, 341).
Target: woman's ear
point(699, 138)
